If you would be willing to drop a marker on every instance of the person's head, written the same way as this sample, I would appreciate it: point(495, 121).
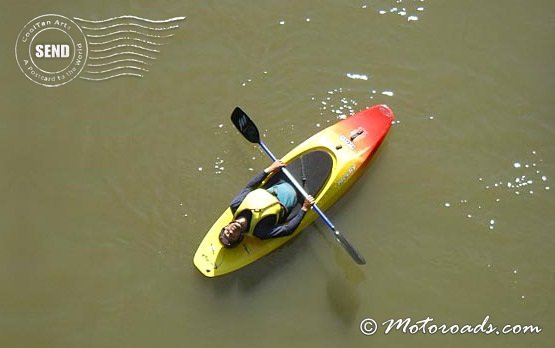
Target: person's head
point(232, 234)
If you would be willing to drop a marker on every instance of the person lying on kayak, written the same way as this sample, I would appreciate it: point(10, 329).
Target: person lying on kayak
point(264, 213)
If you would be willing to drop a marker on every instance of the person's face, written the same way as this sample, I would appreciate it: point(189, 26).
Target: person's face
point(233, 231)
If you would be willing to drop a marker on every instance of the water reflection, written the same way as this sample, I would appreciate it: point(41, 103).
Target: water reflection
point(410, 10)
point(519, 178)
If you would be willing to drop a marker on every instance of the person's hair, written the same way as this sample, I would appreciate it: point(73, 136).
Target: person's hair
point(227, 243)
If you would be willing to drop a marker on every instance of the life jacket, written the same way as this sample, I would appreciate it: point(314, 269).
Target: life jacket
point(260, 204)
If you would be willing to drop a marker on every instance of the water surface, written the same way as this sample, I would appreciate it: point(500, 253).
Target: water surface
point(110, 186)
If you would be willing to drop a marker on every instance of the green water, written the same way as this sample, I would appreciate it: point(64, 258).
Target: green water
point(109, 186)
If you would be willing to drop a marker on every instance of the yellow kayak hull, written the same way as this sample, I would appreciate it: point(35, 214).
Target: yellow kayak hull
point(349, 144)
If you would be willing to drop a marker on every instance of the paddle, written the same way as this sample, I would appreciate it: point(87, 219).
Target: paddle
point(247, 127)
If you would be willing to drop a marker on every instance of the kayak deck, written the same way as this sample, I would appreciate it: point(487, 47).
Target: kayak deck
point(326, 164)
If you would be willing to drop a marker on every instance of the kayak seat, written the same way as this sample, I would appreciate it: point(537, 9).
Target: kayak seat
point(312, 170)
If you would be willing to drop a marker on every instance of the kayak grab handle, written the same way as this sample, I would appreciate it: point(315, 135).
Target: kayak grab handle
point(357, 132)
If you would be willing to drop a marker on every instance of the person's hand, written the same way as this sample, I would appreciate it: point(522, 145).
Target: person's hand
point(274, 166)
point(308, 203)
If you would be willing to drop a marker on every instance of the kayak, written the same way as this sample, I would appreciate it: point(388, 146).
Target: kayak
point(326, 165)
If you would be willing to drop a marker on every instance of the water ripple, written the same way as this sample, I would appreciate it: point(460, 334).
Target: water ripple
point(340, 103)
point(522, 178)
point(405, 9)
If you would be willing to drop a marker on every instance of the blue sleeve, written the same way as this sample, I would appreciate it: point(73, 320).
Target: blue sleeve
point(267, 230)
point(251, 185)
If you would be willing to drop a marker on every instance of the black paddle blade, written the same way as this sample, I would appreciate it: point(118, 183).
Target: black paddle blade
point(357, 257)
point(245, 125)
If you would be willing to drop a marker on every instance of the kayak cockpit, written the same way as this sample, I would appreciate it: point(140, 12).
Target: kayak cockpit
point(311, 169)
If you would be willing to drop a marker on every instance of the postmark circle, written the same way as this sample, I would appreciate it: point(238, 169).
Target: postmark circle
point(51, 50)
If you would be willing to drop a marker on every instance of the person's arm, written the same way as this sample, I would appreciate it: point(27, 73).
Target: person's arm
point(268, 232)
point(253, 184)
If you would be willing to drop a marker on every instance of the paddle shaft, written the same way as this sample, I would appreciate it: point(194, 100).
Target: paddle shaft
point(248, 129)
point(298, 186)
point(357, 257)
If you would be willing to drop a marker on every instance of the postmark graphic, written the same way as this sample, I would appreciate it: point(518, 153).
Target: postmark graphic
point(52, 50)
